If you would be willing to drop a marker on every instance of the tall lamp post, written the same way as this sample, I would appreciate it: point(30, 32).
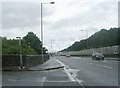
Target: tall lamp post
point(42, 26)
point(86, 37)
point(21, 62)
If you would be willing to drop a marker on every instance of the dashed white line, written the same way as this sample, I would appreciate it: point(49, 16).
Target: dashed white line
point(101, 65)
point(107, 67)
point(104, 66)
point(90, 63)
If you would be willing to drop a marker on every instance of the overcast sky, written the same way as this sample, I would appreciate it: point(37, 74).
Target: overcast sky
point(62, 21)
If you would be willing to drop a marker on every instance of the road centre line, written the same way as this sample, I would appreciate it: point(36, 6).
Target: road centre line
point(107, 67)
point(104, 66)
point(90, 63)
point(100, 65)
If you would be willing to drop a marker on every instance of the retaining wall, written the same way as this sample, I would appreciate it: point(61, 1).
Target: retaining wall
point(112, 51)
point(13, 61)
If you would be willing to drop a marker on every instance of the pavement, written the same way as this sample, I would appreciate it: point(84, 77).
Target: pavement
point(48, 65)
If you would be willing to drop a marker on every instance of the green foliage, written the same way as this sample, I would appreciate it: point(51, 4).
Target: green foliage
point(31, 45)
point(33, 41)
point(103, 38)
point(12, 47)
point(0, 45)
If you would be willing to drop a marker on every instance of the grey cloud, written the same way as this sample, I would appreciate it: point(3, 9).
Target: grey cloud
point(0, 16)
point(23, 14)
point(97, 15)
point(119, 14)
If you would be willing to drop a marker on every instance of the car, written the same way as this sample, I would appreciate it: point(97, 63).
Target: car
point(97, 56)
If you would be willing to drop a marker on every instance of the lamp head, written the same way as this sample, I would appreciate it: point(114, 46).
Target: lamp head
point(52, 2)
point(18, 37)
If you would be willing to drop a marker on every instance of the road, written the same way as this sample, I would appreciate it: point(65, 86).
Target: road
point(91, 72)
point(37, 78)
point(77, 71)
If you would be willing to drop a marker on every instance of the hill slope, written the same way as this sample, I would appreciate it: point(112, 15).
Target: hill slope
point(101, 38)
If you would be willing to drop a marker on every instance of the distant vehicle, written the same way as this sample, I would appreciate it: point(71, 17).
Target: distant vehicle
point(97, 56)
point(67, 55)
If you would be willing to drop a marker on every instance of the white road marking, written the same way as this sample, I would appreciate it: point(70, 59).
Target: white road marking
point(41, 79)
point(104, 66)
point(107, 67)
point(101, 65)
point(90, 63)
point(73, 75)
point(66, 71)
point(79, 81)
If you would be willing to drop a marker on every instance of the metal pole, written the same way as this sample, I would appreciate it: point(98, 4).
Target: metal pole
point(42, 28)
point(21, 64)
point(87, 39)
point(42, 33)
point(87, 42)
point(21, 61)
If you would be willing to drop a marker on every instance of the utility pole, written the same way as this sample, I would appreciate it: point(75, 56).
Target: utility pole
point(42, 27)
point(21, 61)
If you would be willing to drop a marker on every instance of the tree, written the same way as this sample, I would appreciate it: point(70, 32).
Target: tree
point(33, 41)
point(11, 46)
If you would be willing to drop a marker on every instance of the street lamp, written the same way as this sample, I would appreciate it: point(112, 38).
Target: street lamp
point(21, 62)
point(42, 26)
point(52, 42)
point(86, 37)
